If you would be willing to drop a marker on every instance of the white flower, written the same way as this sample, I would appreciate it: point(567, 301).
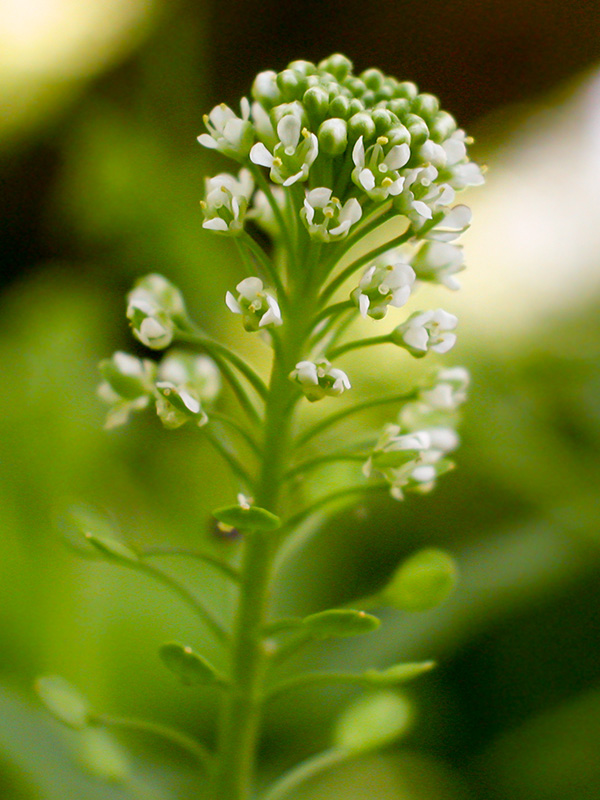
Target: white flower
point(376, 169)
point(318, 379)
point(454, 223)
point(262, 212)
point(422, 197)
point(325, 217)
point(127, 386)
point(293, 156)
point(383, 285)
point(439, 262)
point(228, 133)
point(226, 202)
point(426, 330)
point(257, 307)
point(155, 308)
point(460, 172)
point(449, 390)
point(410, 461)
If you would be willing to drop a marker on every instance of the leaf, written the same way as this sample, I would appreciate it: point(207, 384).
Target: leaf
point(340, 623)
point(248, 518)
point(191, 668)
point(373, 722)
point(422, 582)
point(63, 701)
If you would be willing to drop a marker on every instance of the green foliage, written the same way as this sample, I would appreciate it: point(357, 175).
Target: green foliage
point(340, 623)
point(63, 701)
point(191, 669)
point(422, 582)
point(372, 722)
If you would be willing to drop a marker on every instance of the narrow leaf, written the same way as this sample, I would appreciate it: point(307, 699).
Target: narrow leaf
point(192, 669)
point(248, 518)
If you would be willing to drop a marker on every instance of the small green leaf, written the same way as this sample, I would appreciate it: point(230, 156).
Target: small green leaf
point(386, 459)
point(399, 673)
point(373, 722)
point(340, 622)
point(101, 755)
point(78, 520)
point(112, 548)
point(191, 668)
point(248, 518)
point(63, 701)
point(423, 581)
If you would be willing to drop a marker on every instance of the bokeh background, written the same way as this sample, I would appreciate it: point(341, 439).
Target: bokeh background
point(100, 104)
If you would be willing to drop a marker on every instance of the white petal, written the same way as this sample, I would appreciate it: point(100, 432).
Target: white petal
point(447, 342)
point(455, 151)
point(319, 197)
point(215, 224)
point(366, 180)
point(293, 178)
point(363, 304)
point(245, 108)
point(352, 211)
point(343, 227)
point(208, 141)
point(232, 304)
point(397, 157)
point(250, 287)
point(457, 218)
point(261, 156)
point(288, 130)
point(422, 209)
point(309, 211)
point(396, 187)
point(358, 152)
point(444, 319)
point(416, 337)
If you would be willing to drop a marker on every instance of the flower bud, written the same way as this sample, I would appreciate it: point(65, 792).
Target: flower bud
point(333, 136)
point(257, 307)
point(426, 330)
point(319, 379)
point(291, 84)
point(265, 89)
point(338, 65)
point(175, 406)
point(316, 103)
point(361, 124)
point(426, 106)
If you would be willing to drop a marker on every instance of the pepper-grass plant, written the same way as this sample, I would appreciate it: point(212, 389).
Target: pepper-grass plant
point(326, 160)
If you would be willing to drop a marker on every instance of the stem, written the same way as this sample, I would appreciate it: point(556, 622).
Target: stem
point(236, 426)
point(306, 771)
point(200, 753)
point(357, 345)
point(236, 467)
point(325, 458)
point(241, 714)
point(266, 265)
point(157, 551)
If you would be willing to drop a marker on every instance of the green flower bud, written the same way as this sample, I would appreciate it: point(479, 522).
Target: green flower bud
point(399, 106)
point(385, 93)
point(406, 89)
point(426, 106)
point(316, 103)
point(340, 107)
point(383, 120)
point(356, 86)
point(361, 125)
point(338, 65)
point(442, 126)
point(356, 107)
point(305, 68)
point(416, 126)
point(373, 78)
point(333, 136)
point(265, 89)
point(291, 84)
point(398, 134)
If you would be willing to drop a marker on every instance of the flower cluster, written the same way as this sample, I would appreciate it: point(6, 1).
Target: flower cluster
point(180, 386)
point(412, 453)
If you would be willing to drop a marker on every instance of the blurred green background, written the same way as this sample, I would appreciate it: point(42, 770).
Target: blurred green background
point(100, 104)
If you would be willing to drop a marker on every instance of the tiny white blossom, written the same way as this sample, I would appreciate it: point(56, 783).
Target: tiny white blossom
point(257, 307)
point(426, 330)
point(383, 285)
point(325, 217)
point(155, 308)
point(294, 154)
point(127, 386)
point(318, 379)
point(226, 202)
point(439, 262)
point(460, 172)
point(228, 133)
point(198, 374)
point(454, 223)
point(176, 405)
point(376, 169)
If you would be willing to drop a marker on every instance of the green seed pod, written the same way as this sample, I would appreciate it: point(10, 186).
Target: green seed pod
point(63, 701)
point(373, 722)
point(316, 103)
point(426, 106)
point(338, 65)
point(422, 582)
point(340, 623)
point(361, 125)
point(291, 84)
point(333, 136)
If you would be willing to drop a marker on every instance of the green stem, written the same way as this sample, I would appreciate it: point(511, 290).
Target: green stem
point(328, 422)
point(266, 264)
point(226, 454)
point(315, 679)
point(236, 426)
point(241, 714)
point(306, 771)
point(264, 184)
point(157, 551)
point(325, 458)
point(200, 753)
point(357, 345)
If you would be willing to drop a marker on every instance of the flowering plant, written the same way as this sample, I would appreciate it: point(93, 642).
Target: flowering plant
point(330, 163)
